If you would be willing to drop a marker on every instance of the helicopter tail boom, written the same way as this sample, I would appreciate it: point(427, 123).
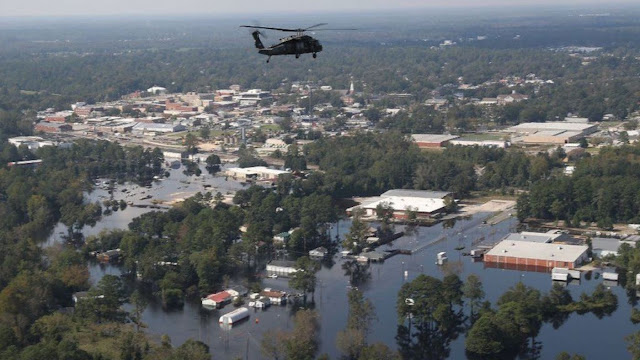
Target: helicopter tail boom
point(256, 37)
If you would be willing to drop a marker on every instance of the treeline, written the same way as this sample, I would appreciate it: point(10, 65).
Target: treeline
point(603, 189)
point(371, 163)
point(606, 85)
point(504, 333)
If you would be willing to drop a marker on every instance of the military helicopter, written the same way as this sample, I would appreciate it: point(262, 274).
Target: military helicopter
point(296, 44)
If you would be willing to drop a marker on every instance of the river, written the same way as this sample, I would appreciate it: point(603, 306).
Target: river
point(583, 334)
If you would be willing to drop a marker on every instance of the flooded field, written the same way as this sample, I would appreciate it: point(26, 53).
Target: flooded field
point(584, 334)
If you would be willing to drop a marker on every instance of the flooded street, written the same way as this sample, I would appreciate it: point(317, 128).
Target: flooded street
point(192, 321)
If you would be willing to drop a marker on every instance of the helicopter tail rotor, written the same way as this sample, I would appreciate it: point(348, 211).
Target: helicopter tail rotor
point(256, 36)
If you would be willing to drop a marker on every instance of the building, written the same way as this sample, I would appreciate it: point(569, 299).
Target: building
point(252, 97)
point(424, 203)
point(217, 300)
point(609, 246)
point(535, 256)
point(281, 267)
point(25, 163)
point(157, 90)
point(511, 98)
point(50, 127)
point(276, 297)
point(425, 141)
point(319, 252)
point(547, 237)
point(31, 142)
point(602, 247)
point(488, 143)
point(255, 173)
point(558, 126)
point(157, 128)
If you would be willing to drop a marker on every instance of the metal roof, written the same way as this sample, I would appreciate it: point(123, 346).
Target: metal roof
point(427, 194)
point(541, 251)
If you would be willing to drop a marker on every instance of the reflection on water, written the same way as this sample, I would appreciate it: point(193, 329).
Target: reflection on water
point(379, 282)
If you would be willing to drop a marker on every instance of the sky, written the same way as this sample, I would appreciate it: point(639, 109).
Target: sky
point(9, 8)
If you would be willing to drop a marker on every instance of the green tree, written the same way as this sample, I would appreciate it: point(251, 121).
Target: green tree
point(356, 239)
point(304, 279)
point(352, 340)
point(473, 291)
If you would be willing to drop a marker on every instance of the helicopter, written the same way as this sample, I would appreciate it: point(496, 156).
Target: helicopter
point(296, 44)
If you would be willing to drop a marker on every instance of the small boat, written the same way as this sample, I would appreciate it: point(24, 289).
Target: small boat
point(273, 276)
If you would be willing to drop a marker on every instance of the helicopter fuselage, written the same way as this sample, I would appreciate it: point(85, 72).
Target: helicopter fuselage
point(293, 45)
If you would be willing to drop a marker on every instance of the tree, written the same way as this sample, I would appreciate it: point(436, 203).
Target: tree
point(485, 337)
point(566, 356)
point(213, 162)
point(356, 239)
point(191, 142)
point(304, 279)
point(633, 345)
point(473, 291)
point(302, 343)
point(353, 339)
point(205, 132)
point(378, 351)
point(139, 304)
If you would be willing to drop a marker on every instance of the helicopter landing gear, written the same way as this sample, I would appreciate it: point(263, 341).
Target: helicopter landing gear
point(315, 55)
point(269, 58)
point(297, 56)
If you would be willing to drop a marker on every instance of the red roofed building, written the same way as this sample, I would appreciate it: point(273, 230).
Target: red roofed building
point(217, 299)
point(59, 119)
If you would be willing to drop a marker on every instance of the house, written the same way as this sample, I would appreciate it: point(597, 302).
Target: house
point(511, 98)
point(217, 300)
point(282, 237)
point(109, 255)
point(276, 297)
point(83, 295)
point(319, 252)
point(281, 267)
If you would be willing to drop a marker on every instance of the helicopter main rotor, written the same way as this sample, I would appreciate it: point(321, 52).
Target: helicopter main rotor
point(298, 31)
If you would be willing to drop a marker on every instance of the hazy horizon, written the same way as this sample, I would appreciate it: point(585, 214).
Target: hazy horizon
point(79, 8)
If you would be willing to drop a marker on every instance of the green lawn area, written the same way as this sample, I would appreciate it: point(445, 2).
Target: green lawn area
point(270, 127)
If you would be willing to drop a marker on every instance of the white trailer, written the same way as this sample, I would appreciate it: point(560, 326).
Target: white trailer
point(234, 316)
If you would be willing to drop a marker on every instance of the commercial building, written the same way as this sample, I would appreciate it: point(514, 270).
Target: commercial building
point(255, 173)
point(424, 203)
point(535, 127)
point(425, 141)
point(535, 256)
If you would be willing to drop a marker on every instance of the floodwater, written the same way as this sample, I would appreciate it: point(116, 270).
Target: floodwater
point(583, 334)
